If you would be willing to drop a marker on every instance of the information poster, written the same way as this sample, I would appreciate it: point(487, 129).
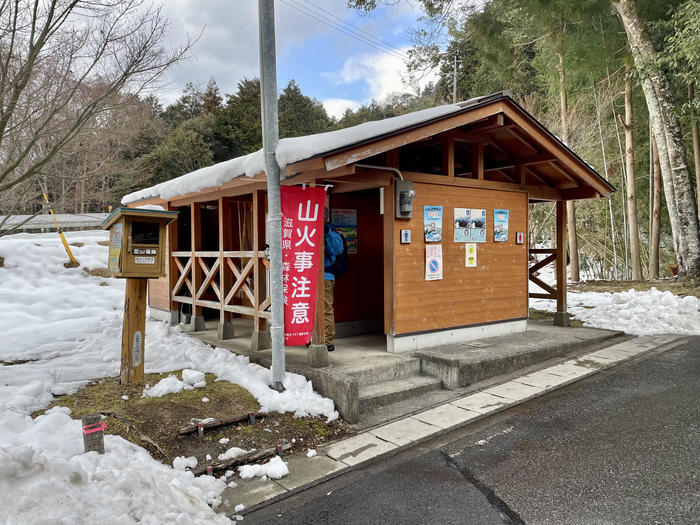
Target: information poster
point(500, 225)
point(477, 225)
point(433, 262)
point(432, 223)
point(115, 246)
point(462, 231)
point(470, 255)
point(345, 222)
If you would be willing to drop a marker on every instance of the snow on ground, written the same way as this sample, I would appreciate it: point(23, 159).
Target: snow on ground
point(635, 312)
point(65, 327)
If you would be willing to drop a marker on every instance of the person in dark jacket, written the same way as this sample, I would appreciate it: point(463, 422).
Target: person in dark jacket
point(333, 246)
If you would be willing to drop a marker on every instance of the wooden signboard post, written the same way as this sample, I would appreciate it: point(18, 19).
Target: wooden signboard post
point(137, 252)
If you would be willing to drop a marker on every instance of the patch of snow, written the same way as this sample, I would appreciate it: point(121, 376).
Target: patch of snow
point(193, 378)
point(311, 453)
point(208, 457)
point(152, 207)
point(275, 469)
point(167, 385)
point(183, 463)
point(205, 400)
point(232, 453)
point(125, 398)
point(239, 508)
point(223, 441)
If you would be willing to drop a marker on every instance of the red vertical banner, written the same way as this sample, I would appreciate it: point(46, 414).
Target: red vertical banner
point(302, 235)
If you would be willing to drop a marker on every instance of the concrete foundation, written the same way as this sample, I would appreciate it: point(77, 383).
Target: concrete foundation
point(562, 319)
point(166, 316)
point(260, 340)
point(224, 330)
point(318, 356)
point(197, 323)
point(415, 342)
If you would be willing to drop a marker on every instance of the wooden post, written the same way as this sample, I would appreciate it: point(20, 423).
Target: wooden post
point(171, 268)
point(561, 318)
point(93, 433)
point(197, 321)
point(448, 156)
point(133, 331)
point(392, 160)
point(478, 160)
point(225, 328)
point(318, 352)
point(260, 338)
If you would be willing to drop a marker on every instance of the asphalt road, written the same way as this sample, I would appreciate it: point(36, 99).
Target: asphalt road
point(620, 447)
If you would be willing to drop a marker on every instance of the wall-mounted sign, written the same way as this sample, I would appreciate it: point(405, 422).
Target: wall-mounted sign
point(433, 262)
point(115, 246)
point(405, 236)
point(470, 255)
point(345, 222)
point(144, 260)
point(432, 223)
point(477, 225)
point(519, 238)
point(500, 225)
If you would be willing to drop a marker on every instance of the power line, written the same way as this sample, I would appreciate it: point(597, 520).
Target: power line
point(329, 22)
point(381, 42)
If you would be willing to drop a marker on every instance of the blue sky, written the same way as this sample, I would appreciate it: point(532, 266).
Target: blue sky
point(337, 69)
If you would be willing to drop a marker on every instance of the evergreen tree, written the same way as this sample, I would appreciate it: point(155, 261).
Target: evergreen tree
point(301, 115)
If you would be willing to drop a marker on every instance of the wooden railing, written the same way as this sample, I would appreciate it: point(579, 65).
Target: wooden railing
point(246, 281)
point(550, 259)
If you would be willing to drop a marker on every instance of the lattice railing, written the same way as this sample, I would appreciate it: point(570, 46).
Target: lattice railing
point(550, 259)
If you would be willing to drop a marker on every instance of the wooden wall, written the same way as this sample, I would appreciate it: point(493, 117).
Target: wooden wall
point(496, 290)
point(158, 293)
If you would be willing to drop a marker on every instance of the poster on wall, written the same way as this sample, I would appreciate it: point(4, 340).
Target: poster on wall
point(433, 262)
point(115, 246)
point(345, 222)
point(500, 225)
point(432, 223)
point(462, 225)
point(477, 225)
point(302, 235)
point(470, 255)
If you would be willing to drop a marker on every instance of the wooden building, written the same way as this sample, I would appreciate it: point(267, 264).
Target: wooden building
point(487, 153)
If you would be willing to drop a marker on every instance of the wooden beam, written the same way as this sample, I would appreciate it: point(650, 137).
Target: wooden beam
point(513, 132)
point(222, 266)
point(309, 176)
point(365, 176)
point(478, 131)
point(478, 161)
point(304, 165)
point(579, 193)
point(389, 259)
point(448, 156)
point(540, 192)
point(171, 267)
point(557, 149)
point(256, 260)
point(560, 269)
point(521, 174)
point(381, 145)
point(318, 336)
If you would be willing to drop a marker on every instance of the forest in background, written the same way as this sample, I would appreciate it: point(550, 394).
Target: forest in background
point(572, 65)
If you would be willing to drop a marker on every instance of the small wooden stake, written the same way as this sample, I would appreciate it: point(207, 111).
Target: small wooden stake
point(133, 331)
point(93, 433)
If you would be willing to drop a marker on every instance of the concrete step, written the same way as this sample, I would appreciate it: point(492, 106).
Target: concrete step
point(388, 392)
point(377, 372)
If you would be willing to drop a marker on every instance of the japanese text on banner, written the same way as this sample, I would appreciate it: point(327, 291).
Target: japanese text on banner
point(302, 235)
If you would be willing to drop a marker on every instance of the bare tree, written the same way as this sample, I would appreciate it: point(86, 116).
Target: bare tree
point(63, 64)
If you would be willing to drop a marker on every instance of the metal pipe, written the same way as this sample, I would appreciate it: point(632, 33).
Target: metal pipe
point(268, 98)
point(385, 168)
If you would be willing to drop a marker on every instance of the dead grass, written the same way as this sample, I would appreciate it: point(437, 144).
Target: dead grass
point(71, 264)
point(77, 244)
point(154, 422)
point(2, 262)
point(103, 243)
point(681, 286)
point(97, 272)
point(542, 315)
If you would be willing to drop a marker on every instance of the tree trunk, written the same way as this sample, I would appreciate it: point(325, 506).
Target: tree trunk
point(680, 198)
point(656, 215)
point(696, 143)
point(633, 226)
point(570, 207)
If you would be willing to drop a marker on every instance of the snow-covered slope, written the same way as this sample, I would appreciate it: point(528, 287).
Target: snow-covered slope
point(64, 328)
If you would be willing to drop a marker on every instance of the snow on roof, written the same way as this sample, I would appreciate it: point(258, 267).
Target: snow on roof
point(289, 151)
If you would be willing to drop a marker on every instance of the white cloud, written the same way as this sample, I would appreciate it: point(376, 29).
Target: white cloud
point(381, 73)
point(336, 107)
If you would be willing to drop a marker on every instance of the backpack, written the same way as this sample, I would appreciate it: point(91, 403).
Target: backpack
point(341, 263)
